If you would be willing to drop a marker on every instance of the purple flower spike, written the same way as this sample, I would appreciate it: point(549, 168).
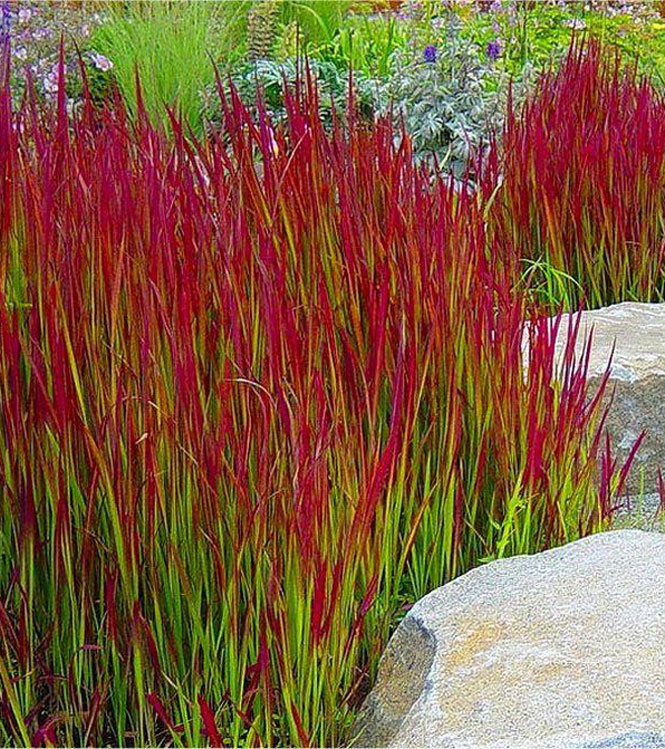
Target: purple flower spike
point(494, 49)
point(429, 53)
point(5, 21)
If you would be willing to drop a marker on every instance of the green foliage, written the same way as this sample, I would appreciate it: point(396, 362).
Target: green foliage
point(367, 44)
point(643, 41)
point(450, 105)
point(539, 33)
point(172, 46)
point(261, 28)
point(318, 20)
point(549, 285)
point(267, 78)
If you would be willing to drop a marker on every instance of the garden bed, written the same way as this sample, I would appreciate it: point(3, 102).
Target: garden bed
point(262, 383)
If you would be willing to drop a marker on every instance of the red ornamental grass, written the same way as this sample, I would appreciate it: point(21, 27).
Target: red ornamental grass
point(584, 181)
point(256, 393)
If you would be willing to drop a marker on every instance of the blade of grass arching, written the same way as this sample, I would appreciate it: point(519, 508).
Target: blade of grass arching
point(10, 695)
point(118, 535)
point(509, 526)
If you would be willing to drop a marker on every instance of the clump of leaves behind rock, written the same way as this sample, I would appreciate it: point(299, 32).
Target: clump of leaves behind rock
point(583, 185)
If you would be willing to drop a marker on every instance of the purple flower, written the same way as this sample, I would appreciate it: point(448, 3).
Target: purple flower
point(50, 81)
point(429, 54)
point(43, 32)
point(494, 49)
point(101, 62)
point(6, 22)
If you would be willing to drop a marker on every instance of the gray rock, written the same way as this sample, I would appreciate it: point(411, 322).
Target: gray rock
point(636, 332)
point(565, 648)
point(630, 740)
point(405, 665)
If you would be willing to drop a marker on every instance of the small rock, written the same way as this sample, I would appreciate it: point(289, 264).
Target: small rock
point(563, 649)
point(636, 332)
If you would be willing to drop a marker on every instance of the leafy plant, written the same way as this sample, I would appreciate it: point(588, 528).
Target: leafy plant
point(268, 80)
point(367, 44)
point(262, 28)
point(304, 26)
point(449, 98)
point(318, 20)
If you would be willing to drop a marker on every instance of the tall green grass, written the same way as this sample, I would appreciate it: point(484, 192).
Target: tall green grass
point(319, 20)
point(173, 46)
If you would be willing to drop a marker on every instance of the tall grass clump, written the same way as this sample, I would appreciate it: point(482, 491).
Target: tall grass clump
point(583, 194)
point(172, 46)
point(257, 394)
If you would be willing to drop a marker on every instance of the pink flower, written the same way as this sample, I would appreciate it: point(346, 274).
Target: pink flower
point(101, 62)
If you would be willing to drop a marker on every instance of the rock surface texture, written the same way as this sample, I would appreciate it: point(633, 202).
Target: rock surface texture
point(636, 332)
point(565, 648)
